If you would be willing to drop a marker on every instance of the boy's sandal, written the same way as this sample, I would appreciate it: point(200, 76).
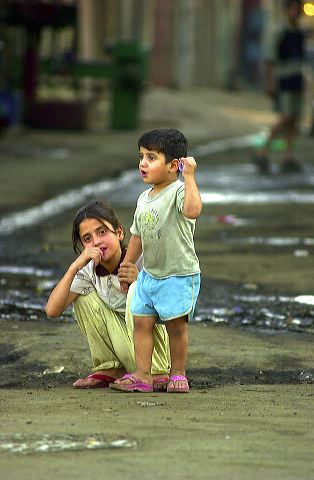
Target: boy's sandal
point(104, 381)
point(173, 386)
point(137, 385)
point(160, 383)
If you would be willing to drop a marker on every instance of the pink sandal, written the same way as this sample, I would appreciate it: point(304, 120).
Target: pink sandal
point(177, 389)
point(160, 383)
point(104, 383)
point(137, 385)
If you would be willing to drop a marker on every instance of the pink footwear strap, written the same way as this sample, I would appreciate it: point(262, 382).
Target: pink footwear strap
point(162, 379)
point(129, 376)
point(136, 385)
point(102, 377)
point(178, 378)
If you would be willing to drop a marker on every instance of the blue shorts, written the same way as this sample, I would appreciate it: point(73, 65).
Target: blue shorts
point(166, 298)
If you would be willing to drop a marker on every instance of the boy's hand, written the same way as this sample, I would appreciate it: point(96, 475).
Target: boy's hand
point(124, 286)
point(189, 166)
point(127, 273)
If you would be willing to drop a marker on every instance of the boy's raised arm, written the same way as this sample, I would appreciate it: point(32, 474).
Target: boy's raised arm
point(192, 200)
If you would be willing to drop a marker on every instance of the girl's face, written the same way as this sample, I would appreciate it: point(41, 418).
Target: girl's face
point(94, 233)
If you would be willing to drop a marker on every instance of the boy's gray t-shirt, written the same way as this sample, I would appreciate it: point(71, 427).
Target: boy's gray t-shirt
point(166, 234)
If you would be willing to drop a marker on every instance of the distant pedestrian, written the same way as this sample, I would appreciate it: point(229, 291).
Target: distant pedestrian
point(163, 228)
point(101, 309)
point(285, 84)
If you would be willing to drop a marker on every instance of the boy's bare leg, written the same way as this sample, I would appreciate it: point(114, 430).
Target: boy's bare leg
point(143, 346)
point(178, 339)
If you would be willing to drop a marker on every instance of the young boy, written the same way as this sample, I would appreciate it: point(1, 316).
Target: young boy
point(163, 229)
point(284, 62)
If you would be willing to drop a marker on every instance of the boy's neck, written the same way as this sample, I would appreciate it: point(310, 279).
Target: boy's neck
point(161, 186)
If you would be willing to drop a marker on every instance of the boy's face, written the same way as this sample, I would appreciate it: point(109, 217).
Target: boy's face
point(154, 169)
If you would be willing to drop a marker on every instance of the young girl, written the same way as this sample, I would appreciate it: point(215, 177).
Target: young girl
point(101, 308)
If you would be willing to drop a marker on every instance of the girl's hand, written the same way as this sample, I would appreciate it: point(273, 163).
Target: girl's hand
point(189, 166)
point(93, 253)
point(127, 274)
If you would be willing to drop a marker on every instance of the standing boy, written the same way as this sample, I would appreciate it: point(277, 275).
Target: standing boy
point(284, 62)
point(163, 228)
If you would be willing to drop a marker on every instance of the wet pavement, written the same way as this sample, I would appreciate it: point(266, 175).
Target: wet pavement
point(26, 280)
point(255, 237)
point(250, 411)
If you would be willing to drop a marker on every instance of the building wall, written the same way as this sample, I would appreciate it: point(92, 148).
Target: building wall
point(193, 42)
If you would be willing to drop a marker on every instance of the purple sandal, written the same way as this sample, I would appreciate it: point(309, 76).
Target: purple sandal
point(176, 389)
point(137, 385)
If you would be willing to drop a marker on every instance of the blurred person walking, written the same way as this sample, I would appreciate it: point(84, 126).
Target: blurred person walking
point(285, 84)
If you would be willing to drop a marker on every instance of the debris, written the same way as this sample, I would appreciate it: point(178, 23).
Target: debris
point(301, 253)
point(149, 404)
point(45, 443)
point(53, 370)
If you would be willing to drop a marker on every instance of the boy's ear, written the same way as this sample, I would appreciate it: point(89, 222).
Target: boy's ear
point(174, 165)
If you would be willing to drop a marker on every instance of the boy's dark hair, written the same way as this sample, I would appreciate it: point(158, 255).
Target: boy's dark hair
point(96, 209)
point(169, 141)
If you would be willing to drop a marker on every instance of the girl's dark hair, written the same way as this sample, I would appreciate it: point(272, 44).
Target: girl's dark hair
point(96, 209)
point(169, 141)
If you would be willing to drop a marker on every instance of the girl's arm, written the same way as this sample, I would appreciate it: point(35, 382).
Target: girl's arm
point(192, 206)
point(61, 296)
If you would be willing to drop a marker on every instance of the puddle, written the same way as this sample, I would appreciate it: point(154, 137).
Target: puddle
point(219, 184)
point(23, 444)
point(272, 241)
point(62, 203)
point(24, 291)
point(25, 270)
point(262, 312)
point(258, 198)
